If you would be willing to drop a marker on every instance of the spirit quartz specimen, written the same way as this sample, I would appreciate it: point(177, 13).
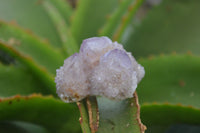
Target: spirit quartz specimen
point(101, 68)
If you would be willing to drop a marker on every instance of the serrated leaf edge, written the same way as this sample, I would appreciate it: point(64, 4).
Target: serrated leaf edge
point(38, 70)
point(141, 125)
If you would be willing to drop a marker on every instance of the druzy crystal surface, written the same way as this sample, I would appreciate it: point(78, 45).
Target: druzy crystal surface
point(101, 68)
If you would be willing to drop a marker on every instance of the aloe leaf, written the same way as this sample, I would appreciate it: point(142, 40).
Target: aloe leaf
point(183, 128)
point(67, 39)
point(30, 14)
point(63, 7)
point(110, 116)
point(30, 45)
point(113, 21)
point(84, 122)
point(11, 82)
point(20, 127)
point(119, 116)
point(93, 113)
point(125, 13)
point(6, 59)
point(52, 114)
point(89, 114)
point(171, 83)
point(173, 79)
point(160, 118)
point(43, 76)
point(174, 25)
point(89, 16)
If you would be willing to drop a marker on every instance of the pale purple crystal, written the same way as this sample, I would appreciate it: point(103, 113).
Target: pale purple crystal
point(102, 68)
point(93, 48)
point(114, 76)
point(139, 69)
point(71, 80)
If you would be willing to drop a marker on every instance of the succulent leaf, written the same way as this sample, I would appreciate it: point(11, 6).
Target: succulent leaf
point(47, 112)
point(12, 83)
point(63, 7)
point(174, 25)
point(30, 45)
point(20, 127)
point(160, 118)
point(30, 14)
point(68, 41)
point(181, 128)
point(111, 116)
point(89, 16)
point(119, 20)
point(175, 80)
point(45, 77)
point(120, 116)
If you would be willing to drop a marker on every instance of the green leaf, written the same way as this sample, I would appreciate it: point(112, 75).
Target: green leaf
point(30, 45)
point(183, 128)
point(173, 79)
point(41, 73)
point(109, 116)
point(63, 8)
point(18, 80)
point(119, 20)
point(171, 83)
point(32, 15)
point(67, 39)
point(6, 59)
point(160, 117)
point(93, 113)
point(89, 16)
point(119, 116)
point(54, 115)
point(174, 25)
point(20, 127)
point(84, 122)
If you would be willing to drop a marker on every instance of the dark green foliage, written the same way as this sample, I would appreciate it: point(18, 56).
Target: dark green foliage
point(31, 15)
point(175, 79)
point(48, 112)
point(173, 26)
point(90, 16)
point(12, 84)
point(30, 46)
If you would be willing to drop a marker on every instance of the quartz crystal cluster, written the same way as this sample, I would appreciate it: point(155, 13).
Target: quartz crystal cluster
point(101, 68)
